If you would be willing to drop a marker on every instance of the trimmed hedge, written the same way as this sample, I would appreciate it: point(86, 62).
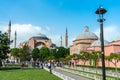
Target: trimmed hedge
point(9, 68)
point(17, 65)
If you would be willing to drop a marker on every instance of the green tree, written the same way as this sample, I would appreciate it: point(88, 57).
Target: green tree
point(95, 56)
point(35, 54)
point(68, 58)
point(52, 53)
point(84, 56)
point(25, 53)
point(108, 59)
point(114, 58)
point(15, 52)
point(75, 58)
point(4, 46)
point(44, 53)
point(61, 52)
point(67, 52)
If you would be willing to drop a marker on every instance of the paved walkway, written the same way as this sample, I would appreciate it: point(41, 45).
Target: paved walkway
point(74, 76)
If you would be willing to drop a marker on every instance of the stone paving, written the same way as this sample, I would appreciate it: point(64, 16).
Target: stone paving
point(74, 76)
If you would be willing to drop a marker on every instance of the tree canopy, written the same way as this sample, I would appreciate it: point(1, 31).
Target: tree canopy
point(25, 53)
point(15, 52)
point(4, 45)
point(35, 54)
point(44, 53)
point(61, 52)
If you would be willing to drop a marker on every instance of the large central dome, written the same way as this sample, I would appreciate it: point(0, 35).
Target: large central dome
point(40, 36)
point(87, 35)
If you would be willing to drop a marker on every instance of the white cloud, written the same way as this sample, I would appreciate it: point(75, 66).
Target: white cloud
point(70, 41)
point(110, 32)
point(47, 28)
point(24, 31)
point(55, 39)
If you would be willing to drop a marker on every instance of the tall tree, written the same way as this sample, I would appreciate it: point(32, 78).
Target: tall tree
point(61, 52)
point(44, 53)
point(15, 53)
point(25, 54)
point(67, 52)
point(4, 46)
point(35, 54)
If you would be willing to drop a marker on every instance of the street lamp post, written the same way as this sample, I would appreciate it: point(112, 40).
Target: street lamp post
point(100, 12)
point(50, 66)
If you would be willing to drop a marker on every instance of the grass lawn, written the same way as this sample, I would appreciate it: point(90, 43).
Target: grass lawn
point(27, 74)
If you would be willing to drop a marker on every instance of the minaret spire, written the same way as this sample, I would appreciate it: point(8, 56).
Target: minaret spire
point(61, 41)
point(9, 30)
point(66, 38)
point(15, 39)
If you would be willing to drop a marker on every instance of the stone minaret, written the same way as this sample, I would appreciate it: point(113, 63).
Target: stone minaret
point(15, 39)
point(61, 41)
point(9, 30)
point(66, 38)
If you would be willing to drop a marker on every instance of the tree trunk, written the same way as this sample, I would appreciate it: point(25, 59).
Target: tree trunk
point(0, 63)
point(96, 70)
point(116, 71)
point(76, 65)
point(84, 65)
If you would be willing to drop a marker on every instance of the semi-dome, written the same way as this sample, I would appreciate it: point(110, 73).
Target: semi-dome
point(40, 36)
point(98, 43)
point(87, 35)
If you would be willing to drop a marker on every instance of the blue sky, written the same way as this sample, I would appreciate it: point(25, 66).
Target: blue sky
point(51, 17)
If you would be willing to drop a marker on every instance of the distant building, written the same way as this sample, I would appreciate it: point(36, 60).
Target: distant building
point(109, 47)
point(88, 41)
point(37, 42)
point(83, 41)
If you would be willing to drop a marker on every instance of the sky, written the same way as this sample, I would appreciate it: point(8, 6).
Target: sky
point(51, 17)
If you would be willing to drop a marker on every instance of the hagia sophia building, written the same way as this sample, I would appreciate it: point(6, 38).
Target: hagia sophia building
point(85, 41)
point(37, 42)
point(42, 40)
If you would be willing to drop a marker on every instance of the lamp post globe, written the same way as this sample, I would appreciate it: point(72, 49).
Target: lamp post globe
point(100, 12)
